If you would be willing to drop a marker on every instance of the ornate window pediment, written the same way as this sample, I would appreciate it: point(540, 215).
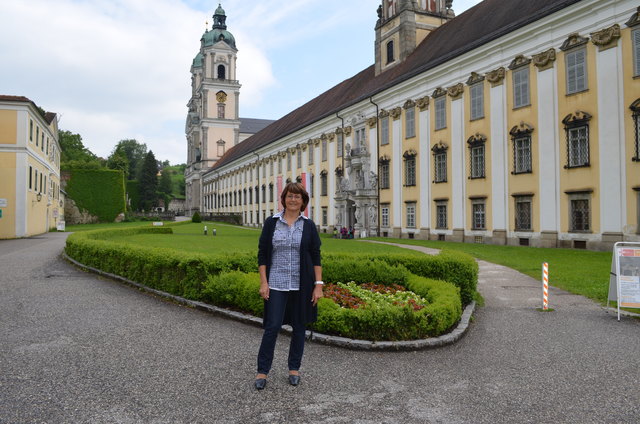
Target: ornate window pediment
point(410, 154)
point(409, 104)
point(455, 91)
point(338, 171)
point(519, 62)
point(423, 102)
point(606, 38)
point(522, 129)
point(476, 140)
point(439, 92)
point(372, 122)
point(574, 40)
point(323, 173)
point(474, 78)
point(395, 112)
point(384, 159)
point(635, 19)
point(383, 113)
point(439, 147)
point(544, 60)
point(496, 76)
point(577, 118)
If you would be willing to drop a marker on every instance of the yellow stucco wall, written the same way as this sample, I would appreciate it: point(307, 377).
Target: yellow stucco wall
point(8, 131)
point(582, 178)
point(631, 94)
point(8, 192)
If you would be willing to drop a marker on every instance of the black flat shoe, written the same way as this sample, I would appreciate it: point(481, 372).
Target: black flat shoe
point(260, 383)
point(294, 380)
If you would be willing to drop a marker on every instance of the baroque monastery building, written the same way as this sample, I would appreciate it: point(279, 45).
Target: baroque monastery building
point(516, 122)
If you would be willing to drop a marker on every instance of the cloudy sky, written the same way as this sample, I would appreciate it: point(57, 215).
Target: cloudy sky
point(119, 69)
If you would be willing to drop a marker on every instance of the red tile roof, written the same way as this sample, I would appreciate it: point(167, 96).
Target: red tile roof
point(475, 27)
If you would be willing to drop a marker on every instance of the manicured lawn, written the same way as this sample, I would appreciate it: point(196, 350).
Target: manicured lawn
point(582, 272)
point(189, 237)
point(88, 227)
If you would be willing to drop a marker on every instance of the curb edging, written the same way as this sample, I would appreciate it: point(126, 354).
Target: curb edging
point(354, 344)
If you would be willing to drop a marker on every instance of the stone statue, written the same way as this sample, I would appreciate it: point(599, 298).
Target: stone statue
point(344, 184)
point(373, 180)
point(357, 213)
point(372, 216)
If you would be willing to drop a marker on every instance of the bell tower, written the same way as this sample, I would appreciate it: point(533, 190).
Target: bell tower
point(213, 124)
point(402, 25)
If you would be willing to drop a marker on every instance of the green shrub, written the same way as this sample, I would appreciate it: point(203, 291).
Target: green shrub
point(235, 289)
point(196, 217)
point(231, 280)
point(98, 191)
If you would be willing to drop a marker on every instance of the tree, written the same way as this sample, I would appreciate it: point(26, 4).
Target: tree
point(118, 160)
point(148, 182)
point(135, 153)
point(74, 153)
point(165, 186)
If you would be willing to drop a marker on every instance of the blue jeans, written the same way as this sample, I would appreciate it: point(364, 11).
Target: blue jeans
point(279, 302)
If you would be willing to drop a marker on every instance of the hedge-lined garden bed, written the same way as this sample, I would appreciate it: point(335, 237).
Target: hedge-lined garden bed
point(445, 282)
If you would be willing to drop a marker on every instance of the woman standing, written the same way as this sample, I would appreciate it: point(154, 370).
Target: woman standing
point(290, 279)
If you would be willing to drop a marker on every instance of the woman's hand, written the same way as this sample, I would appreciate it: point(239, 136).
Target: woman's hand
point(264, 290)
point(317, 294)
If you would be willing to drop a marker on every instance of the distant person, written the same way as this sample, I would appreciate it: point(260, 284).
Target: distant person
point(290, 280)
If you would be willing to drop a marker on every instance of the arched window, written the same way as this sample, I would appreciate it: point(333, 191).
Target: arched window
point(221, 72)
point(390, 57)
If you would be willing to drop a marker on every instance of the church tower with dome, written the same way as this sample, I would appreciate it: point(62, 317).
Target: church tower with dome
point(213, 124)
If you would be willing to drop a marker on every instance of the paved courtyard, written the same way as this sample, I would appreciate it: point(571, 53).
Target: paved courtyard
point(78, 348)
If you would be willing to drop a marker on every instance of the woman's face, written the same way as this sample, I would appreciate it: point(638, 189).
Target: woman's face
point(293, 201)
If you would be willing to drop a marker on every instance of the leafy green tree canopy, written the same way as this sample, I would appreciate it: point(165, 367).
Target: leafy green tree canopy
point(134, 152)
point(148, 182)
point(74, 154)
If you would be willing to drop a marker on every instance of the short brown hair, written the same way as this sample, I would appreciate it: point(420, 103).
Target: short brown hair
point(295, 188)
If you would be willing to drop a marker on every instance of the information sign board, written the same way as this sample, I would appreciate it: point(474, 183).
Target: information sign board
point(624, 284)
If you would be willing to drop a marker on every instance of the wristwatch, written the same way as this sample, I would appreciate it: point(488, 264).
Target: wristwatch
point(319, 283)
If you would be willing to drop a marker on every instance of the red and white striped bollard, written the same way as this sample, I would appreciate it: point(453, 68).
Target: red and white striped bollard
point(545, 286)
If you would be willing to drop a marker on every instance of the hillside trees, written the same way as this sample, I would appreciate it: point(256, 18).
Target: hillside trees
point(148, 182)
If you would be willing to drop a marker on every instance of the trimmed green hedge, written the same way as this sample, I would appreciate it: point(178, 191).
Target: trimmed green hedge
point(231, 280)
point(133, 189)
point(98, 191)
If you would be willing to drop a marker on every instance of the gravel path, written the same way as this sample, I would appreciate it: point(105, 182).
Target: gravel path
point(77, 348)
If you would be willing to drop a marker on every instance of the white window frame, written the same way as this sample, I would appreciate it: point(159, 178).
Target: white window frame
point(576, 70)
point(522, 160)
point(384, 136)
point(476, 92)
point(578, 146)
point(410, 208)
point(478, 214)
point(384, 212)
point(410, 122)
point(521, 96)
point(477, 155)
point(441, 215)
point(410, 171)
point(440, 167)
point(440, 106)
point(519, 201)
point(384, 175)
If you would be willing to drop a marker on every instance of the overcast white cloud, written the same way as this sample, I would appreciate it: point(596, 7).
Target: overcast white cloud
point(118, 69)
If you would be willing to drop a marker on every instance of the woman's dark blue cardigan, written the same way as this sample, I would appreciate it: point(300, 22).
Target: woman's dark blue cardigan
point(309, 257)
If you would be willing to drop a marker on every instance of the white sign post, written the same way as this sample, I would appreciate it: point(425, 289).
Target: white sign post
point(624, 283)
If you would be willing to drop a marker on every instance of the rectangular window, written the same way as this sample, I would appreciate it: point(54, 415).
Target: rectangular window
point(579, 213)
point(636, 123)
point(410, 171)
point(35, 182)
point(410, 122)
point(340, 144)
point(441, 112)
point(299, 159)
point(323, 184)
point(324, 215)
point(384, 175)
point(578, 146)
point(384, 210)
point(37, 135)
point(441, 215)
point(220, 111)
point(521, 88)
point(271, 167)
point(478, 215)
point(522, 155)
point(30, 177)
point(576, 71)
point(271, 192)
point(440, 167)
point(31, 131)
point(324, 150)
point(477, 101)
point(477, 162)
point(523, 213)
point(411, 215)
point(288, 161)
point(310, 157)
point(636, 51)
point(384, 129)
point(280, 165)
